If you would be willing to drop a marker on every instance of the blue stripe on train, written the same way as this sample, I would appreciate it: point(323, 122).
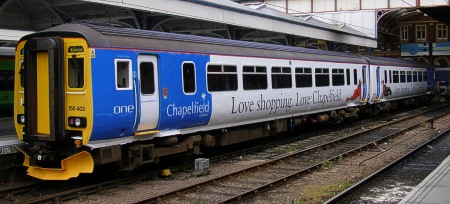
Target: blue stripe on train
point(177, 109)
point(180, 110)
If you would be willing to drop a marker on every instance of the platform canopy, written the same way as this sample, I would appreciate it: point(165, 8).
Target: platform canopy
point(260, 18)
point(214, 18)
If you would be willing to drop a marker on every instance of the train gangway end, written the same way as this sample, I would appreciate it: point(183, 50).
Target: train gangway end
point(71, 167)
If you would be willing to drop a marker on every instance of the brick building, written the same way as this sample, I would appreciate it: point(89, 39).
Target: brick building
point(409, 35)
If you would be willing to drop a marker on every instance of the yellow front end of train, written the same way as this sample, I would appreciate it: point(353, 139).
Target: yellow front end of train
point(53, 106)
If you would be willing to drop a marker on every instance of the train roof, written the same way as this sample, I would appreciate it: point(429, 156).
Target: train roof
point(396, 62)
point(102, 36)
point(7, 51)
point(107, 36)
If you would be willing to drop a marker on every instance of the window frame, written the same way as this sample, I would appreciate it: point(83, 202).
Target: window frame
point(69, 61)
point(130, 67)
point(421, 30)
point(283, 74)
point(183, 78)
point(396, 77)
point(408, 76)
point(402, 76)
point(339, 73)
point(441, 29)
point(304, 74)
point(404, 33)
point(255, 73)
point(316, 74)
point(153, 79)
point(222, 72)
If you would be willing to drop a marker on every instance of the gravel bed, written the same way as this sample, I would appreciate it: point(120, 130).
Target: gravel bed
point(341, 173)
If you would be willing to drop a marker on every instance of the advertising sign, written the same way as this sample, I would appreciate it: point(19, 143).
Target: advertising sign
point(422, 49)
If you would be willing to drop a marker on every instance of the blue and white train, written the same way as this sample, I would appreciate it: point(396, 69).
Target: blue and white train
point(91, 94)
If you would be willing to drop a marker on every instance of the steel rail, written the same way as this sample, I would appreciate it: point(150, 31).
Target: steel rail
point(252, 192)
point(349, 191)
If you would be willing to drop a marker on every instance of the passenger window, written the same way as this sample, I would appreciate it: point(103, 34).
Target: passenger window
point(425, 76)
point(123, 74)
point(408, 76)
point(76, 72)
point(322, 77)
point(281, 77)
point(347, 72)
point(147, 73)
point(2, 81)
point(222, 78)
point(385, 76)
point(6, 80)
point(254, 77)
point(337, 77)
point(396, 77)
point(189, 78)
point(355, 76)
point(402, 77)
point(303, 77)
point(415, 76)
point(420, 76)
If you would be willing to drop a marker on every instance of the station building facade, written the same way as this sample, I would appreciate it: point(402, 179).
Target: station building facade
point(411, 37)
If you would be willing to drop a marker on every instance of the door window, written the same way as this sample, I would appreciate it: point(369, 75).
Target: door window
point(147, 78)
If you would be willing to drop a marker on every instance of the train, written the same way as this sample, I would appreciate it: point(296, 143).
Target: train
point(6, 81)
point(92, 94)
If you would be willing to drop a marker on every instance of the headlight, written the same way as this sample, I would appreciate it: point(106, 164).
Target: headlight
point(77, 121)
point(21, 118)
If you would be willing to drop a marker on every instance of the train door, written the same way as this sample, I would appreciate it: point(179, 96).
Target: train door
point(149, 102)
point(378, 81)
point(364, 87)
point(44, 88)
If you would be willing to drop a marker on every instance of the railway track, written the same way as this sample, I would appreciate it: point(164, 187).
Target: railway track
point(278, 166)
point(234, 188)
point(409, 170)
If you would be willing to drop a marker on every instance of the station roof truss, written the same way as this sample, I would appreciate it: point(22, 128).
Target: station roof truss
point(213, 18)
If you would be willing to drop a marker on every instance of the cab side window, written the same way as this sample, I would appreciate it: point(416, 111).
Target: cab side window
point(76, 72)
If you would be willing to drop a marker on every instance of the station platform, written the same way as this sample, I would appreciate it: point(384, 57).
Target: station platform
point(435, 188)
point(8, 137)
point(8, 144)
